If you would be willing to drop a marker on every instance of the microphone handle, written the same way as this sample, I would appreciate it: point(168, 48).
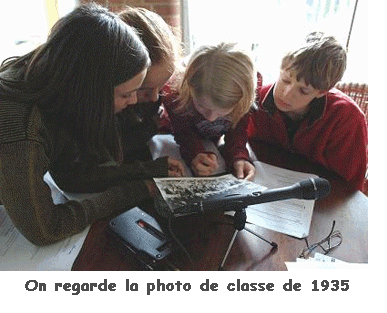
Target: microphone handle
point(278, 194)
point(230, 202)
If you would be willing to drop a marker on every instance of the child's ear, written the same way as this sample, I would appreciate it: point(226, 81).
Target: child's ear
point(322, 93)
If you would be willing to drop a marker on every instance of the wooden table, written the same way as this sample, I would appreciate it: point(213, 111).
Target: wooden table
point(348, 208)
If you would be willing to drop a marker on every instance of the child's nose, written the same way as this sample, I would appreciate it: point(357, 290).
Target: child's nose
point(154, 95)
point(211, 116)
point(133, 99)
point(287, 93)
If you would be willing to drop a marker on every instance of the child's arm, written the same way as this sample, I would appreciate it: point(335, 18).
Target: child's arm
point(190, 142)
point(32, 209)
point(235, 149)
point(346, 150)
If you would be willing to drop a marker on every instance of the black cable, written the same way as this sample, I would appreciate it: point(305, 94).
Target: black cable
point(180, 243)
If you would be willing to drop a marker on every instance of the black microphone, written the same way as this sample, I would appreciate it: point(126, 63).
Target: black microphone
point(310, 189)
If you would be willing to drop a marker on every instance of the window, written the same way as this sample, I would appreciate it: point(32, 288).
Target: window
point(267, 28)
point(25, 24)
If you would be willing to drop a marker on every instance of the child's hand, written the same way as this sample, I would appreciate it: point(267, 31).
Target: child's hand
point(204, 164)
point(244, 169)
point(175, 168)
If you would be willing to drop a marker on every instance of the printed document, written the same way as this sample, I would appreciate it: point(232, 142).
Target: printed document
point(18, 254)
point(292, 217)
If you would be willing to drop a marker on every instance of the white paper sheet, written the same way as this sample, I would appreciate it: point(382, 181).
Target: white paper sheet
point(17, 253)
point(322, 262)
point(291, 217)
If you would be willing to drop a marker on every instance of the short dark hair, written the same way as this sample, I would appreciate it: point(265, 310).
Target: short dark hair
point(321, 61)
point(72, 76)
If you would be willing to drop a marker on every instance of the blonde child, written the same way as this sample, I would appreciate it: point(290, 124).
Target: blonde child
point(215, 96)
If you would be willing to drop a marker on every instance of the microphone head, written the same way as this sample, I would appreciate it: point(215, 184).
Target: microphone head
point(315, 188)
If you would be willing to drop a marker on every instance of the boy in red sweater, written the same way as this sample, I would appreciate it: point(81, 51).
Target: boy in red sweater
point(304, 114)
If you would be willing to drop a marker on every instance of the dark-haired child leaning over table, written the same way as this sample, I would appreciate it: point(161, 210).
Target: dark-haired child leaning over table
point(58, 107)
point(303, 113)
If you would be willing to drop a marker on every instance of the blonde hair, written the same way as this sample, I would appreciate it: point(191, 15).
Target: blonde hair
point(321, 61)
point(158, 37)
point(223, 73)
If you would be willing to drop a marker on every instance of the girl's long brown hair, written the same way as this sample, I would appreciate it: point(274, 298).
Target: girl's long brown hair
point(72, 76)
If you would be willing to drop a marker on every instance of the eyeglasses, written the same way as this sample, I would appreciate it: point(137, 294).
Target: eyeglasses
point(333, 240)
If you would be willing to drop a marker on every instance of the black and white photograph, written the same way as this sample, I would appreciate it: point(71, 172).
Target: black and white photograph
point(179, 192)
